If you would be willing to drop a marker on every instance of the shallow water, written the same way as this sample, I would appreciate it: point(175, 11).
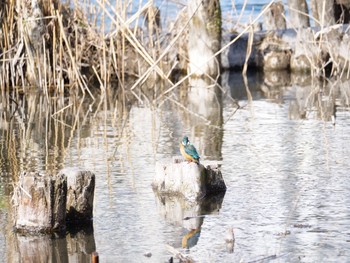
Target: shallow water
point(285, 167)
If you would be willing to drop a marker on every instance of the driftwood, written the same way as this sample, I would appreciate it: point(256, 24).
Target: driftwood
point(177, 254)
point(187, 179)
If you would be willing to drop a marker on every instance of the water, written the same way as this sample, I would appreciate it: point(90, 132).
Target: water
point(284, 163)
point(286, 172)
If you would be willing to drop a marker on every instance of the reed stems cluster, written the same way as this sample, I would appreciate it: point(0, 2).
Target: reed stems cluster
point(57, 47)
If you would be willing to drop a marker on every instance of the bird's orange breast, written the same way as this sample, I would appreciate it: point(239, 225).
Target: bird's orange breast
point(184, 154)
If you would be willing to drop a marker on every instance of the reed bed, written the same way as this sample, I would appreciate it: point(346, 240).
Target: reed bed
point(57, 48)
point(88, 58)
point(60, 47)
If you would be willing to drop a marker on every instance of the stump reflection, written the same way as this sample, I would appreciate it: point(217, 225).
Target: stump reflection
point(187, 215)
point(76, 246)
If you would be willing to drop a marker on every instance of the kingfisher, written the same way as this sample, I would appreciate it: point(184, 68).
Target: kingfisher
point(189, 151)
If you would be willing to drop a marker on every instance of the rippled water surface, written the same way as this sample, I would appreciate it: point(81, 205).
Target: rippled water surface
point(288, 189)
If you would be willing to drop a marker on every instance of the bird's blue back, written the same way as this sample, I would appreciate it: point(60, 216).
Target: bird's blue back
point(191, 150)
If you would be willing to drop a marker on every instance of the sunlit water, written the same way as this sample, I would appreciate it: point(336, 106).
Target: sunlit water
point(288, 189)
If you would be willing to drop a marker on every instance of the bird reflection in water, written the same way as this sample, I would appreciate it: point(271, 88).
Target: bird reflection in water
point(191, 238)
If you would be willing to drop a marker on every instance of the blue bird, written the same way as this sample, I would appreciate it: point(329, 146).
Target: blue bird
point(189, 151)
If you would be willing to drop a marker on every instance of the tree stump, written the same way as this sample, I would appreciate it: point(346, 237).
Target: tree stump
point(80, 194)
point(204, 37)
point(31, 24)
point(40, 203)
point(298, 13)
point(44, 203)
point(275, 18)
point(188, 179)
point(323, 12)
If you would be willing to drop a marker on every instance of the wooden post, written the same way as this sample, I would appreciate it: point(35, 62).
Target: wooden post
point(80, 194)
point(204, 38)
point(297, 13)
point(304, 57)
point(40, 203)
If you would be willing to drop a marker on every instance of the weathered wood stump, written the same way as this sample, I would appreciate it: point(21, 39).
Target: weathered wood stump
point(40, 203)
point(45, 203)
point(323, 12)
point(80, 194)
point(275, 18)
point(204, 37)
point(304, 50)
point(188, 179)
point(298, 14)
point(31, 23)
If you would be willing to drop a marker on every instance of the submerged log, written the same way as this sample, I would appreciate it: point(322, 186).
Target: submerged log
point(80, 194)
point(40, 203)
point(188, 179)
